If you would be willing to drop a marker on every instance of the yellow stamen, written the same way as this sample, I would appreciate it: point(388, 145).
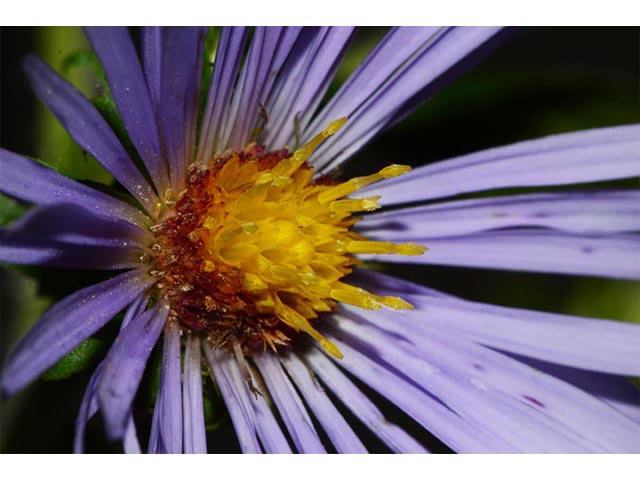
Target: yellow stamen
point(287, 241)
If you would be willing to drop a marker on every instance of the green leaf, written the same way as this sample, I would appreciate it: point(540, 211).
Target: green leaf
point(84, 356)
point(10, 209)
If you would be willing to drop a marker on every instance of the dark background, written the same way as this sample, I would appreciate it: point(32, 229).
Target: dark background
point(540, 81)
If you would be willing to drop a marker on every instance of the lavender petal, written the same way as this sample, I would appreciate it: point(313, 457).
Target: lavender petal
point(232, 386)
point(151, 62)
point(269, 48)
point(170, 392)
point(589, 343)
point(67, 324)
point(356, 401)
point(124, 366)
point(195, 439)
point(489, 388)
point(88, 408)
point(338, 430)
point(180, 69)
point(289, 404)
point(89, 405)
point(396, 48)
point(30, 181)
point(87, 127)
point(130, 443)
point(619, 392)
point(225, 71)
point(127, 85)
point(578, 212)
point(68, 236)
point(454, 431)
point(570, 158)
point(303, 81)
point(439, 59)
point(612, 256)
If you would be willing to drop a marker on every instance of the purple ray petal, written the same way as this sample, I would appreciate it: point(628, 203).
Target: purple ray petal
point(579, 212)
point(268, 50)
point(589, 343)
point(303, 81)
point(67, 324)
point(28, 180)
point(127, 84)
point(68, 236)
point(485, 386)
point(618, 392)
point(232, 386)
point(612, 256)
point(579, 157)
point(337, 429)
point(88, 408)
point(180, 69)
point(289, 405)
point(195, 439)
point(472, 401)
point(271, 436)
point(130, 443)
point(225, 71)
point(151, 53)
point(87, 127)
point(124, 366)
point(89, 405)
point(169, 398)
point(453, 430)
point(397, 439)
point(438, 60)
point(155, 445)
point(395, 49)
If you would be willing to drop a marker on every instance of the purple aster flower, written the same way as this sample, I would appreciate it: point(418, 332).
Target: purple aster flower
point(238, 247)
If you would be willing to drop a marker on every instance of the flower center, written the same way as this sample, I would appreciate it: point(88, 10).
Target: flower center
point(256, 248)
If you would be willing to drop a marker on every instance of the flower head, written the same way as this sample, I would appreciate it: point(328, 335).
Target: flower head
point(244, 252)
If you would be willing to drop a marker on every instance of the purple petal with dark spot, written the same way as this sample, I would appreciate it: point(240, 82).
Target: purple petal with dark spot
point(612, 256)
point(501, 392)
point(619, 392)
point(395, 437)
point(589, 343)
point(434, 416)
point(579, 212)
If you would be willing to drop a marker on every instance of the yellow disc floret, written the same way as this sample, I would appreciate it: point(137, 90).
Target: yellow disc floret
point(285, 239)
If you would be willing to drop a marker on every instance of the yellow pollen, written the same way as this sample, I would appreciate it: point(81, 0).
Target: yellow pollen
point(289, 238)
